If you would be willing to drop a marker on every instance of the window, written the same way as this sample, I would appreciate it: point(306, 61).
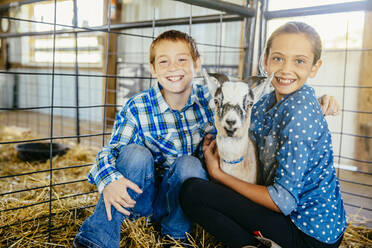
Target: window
point(90, 14)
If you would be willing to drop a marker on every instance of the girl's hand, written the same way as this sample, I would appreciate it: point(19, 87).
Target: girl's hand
point(329, 105)
point(212, 158)
point(116, 194)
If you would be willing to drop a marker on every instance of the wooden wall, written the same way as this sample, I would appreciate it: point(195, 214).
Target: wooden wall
point(363, 146)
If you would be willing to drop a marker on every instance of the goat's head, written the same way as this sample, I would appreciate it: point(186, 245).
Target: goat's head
point(233, 101)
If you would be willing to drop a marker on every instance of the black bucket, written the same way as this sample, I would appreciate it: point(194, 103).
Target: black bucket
point(39, 151)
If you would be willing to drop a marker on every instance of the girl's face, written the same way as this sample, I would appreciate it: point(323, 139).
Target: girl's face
point(291, 61)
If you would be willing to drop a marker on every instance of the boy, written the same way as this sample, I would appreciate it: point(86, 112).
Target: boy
point(153, 148)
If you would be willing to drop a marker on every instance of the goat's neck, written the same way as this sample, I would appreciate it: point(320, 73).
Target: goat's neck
point(232, 148)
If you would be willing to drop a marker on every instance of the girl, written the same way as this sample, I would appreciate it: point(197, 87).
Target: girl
point(299, 203)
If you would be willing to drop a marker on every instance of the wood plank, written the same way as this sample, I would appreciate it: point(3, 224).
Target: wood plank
point(111, 66)
point(364, 122)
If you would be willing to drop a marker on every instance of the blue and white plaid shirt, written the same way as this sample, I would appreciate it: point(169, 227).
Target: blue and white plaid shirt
point(146, 119)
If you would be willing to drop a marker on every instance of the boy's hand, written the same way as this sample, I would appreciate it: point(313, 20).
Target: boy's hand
point(116, 194)
point(212, 158)
point(329, 105)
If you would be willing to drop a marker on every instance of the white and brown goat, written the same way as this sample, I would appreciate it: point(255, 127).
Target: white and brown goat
point(233, 101)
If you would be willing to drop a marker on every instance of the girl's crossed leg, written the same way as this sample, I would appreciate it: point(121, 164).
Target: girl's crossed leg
point(232, 218)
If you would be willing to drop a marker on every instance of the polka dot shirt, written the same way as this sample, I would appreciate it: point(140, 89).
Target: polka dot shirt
point(295, 151)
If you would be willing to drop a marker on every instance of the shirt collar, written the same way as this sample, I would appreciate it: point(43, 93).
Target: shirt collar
point(272, 106)
point(160, 105)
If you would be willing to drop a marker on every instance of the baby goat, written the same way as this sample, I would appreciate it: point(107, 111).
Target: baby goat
point(233, 102)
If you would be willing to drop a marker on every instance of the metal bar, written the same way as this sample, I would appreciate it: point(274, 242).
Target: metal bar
point(69, 74)
point(55, 138)
point(52, 122)
point(60, 107)
point(357, 195)
point(77, 116)
point(250, 26)
point(43, 187)
point(222, 6)
point(353, 182)
point(17, 4)
point(43, 171)
point(263, 27)
point(353, 159)
point(124, 26)
point(358, 207)
point(317, 10)
point(106, 69)
point(338, 86)
point(137, 77)
point(47, 201)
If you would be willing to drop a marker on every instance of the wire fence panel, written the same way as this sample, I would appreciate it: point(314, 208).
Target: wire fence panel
point(67, 74)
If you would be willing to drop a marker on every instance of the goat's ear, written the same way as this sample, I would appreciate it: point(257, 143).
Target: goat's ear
point(220, 77)
point(259, 85)
point(212, 82)
point(253, 81)
point(248, 100)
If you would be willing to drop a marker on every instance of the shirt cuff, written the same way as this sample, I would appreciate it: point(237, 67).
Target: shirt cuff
point(101, 184)
point(282, 198)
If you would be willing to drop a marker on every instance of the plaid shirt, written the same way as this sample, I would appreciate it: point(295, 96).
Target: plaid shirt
point(146, 119)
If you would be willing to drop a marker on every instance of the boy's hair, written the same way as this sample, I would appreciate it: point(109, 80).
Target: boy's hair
point(298, 28)
point(174, 35)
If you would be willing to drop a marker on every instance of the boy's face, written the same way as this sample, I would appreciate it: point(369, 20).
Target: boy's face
point(291, 61)
point(174, 67)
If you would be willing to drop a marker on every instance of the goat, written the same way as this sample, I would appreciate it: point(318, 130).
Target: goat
point(233, 101)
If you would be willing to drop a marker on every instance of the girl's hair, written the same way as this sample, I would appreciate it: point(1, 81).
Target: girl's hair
point(298, 28)
point(174, 35)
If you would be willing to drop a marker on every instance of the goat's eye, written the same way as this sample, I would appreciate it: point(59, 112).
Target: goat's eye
point(216, 101)
point(249, 105)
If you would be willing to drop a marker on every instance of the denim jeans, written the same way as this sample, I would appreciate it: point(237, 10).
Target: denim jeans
point(159, 199)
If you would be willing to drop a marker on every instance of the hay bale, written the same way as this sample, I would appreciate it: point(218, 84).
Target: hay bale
point(67, 214)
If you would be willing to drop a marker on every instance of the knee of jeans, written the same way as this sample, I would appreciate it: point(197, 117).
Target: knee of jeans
point(134, 157)
point(189, 166)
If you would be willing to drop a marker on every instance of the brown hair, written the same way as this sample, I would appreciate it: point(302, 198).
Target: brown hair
point(174, 35)
point(298, 28)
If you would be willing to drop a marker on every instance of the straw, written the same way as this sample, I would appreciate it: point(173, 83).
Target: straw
point(29, 227)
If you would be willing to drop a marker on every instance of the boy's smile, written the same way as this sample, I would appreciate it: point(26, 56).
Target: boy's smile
point(174, 69)
point(291, 60)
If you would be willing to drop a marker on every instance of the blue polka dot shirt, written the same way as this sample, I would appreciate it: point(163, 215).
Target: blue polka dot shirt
point(295, 152)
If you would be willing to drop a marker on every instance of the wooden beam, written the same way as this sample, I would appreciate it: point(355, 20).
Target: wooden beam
point(4, 49)
point(363, 146)
point(110, 47)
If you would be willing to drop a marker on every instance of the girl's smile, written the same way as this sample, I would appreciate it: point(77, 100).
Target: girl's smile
point(284, 81)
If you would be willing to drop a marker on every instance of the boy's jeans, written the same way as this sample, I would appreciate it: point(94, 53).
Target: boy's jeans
point(136, 163)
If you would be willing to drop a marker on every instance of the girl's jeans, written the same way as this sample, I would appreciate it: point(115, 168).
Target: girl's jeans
point(160, 198)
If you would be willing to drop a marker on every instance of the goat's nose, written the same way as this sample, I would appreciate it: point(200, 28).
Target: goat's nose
point(230, 122)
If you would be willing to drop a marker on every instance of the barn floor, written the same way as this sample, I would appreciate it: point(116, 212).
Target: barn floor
point(39, 124)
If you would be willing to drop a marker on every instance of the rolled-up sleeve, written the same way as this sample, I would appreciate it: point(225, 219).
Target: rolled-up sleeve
point(282, 198)
point(125, 132)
